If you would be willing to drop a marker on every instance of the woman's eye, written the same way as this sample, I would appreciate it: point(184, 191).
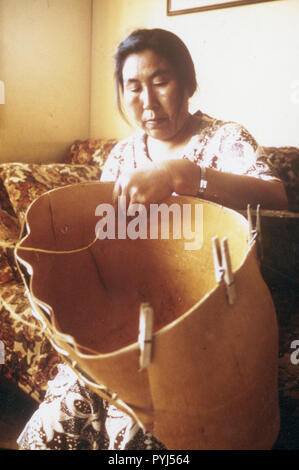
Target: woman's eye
point(133, 87)
point(160, 83)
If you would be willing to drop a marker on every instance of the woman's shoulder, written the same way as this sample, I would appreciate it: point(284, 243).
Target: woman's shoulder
point(212, 124)
point(229, 146)
point(218, 131)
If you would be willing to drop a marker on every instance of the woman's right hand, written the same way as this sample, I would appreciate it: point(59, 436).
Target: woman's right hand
point(152, 184)
point(156, 183)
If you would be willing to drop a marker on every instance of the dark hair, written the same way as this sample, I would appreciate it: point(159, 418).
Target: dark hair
point(163, 43)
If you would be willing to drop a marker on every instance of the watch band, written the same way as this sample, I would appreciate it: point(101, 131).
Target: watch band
point(203, 180)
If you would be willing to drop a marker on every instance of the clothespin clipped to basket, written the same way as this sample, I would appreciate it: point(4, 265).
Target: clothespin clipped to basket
point(145, 338)
point(255, 233)
point(223, 267)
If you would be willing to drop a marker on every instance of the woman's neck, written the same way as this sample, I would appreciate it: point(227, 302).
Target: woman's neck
point(166, 149)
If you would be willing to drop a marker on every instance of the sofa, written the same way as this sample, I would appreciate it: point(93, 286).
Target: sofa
point(30, 360)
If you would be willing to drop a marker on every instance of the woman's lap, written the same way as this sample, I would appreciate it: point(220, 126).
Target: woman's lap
point(72, 417)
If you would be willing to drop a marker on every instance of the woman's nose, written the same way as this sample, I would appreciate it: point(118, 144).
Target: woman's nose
point(149, 99)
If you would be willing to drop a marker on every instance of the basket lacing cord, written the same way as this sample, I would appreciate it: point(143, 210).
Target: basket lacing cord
point(17, 246)
point(105, 393)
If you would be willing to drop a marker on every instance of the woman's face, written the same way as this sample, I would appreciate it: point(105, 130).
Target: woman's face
point(152, 95)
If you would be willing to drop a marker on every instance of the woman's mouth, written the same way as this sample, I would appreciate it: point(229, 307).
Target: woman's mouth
point(153, 123)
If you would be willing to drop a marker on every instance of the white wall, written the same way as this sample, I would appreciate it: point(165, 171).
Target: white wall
point(45, 66)
point(57, 68)
point(247, 60)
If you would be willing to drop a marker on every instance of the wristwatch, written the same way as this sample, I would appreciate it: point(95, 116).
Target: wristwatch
point(203, 180)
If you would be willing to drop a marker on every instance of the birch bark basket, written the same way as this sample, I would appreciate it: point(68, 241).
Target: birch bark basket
point(210, 379)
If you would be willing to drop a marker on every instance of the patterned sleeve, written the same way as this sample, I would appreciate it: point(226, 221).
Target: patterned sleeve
point(112, 166)
point(239, 153)
point(120, 160)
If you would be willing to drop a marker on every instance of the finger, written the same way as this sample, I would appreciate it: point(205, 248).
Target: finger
point(116, 191)
point(132, 193)
point(121, 195)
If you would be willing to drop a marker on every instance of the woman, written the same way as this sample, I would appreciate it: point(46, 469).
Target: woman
point(173, 151)
point(176, 151)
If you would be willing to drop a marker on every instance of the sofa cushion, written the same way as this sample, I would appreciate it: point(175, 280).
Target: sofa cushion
point(9, 232)
point(24, 182)
point(30, 360)
point(6, 272)
point(90, 151)
point(285, 161)
point(9, 227)
point(4, 200)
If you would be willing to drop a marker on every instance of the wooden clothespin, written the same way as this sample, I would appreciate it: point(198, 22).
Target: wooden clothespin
point(223, 267)
point(250, 226)
point(228, 273)
point(145, 338)
point(219, 271)
point(255, 233)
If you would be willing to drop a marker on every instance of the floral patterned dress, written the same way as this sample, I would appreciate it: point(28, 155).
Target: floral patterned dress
point(223, 146)
point(72, 416)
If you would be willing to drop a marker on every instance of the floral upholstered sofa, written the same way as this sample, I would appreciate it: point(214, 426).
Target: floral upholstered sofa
point(30, 360)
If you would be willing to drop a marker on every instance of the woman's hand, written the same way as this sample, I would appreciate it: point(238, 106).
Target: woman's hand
point(156, 182)
point(152, 184)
